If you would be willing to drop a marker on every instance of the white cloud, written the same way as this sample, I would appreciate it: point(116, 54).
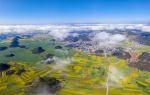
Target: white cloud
point(107, 40)
point(64, 30)
point(115, 75)
point(146, 28)
point(59, 33)
point(60, 63)
point(22, 28)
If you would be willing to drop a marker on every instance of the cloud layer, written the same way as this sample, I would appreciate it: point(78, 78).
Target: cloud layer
point(107, 40)
point(62, 31)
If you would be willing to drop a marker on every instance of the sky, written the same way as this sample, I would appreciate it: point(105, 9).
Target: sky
point(74, 11)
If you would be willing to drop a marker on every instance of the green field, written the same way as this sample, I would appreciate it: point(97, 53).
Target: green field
point(80, 73)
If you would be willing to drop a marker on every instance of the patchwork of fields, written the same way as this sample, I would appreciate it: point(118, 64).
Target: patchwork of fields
point(71, 71)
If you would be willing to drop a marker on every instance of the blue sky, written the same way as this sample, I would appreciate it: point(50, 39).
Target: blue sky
point(74, 11)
